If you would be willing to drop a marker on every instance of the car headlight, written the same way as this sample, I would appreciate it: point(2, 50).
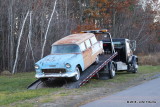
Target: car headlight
point(68, 65)
point(36, 67)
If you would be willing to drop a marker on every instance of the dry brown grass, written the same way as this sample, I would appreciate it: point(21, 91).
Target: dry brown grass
point(5, 72)
point(151, 59)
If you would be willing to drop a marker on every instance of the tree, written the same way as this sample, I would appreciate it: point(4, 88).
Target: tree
point(29, 27)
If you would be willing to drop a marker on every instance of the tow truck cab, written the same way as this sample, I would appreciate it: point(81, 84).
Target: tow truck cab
point(125, 60)
point(124, 47)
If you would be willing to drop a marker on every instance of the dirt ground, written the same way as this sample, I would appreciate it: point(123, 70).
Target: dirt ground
point(76, 100)
point(77, 97)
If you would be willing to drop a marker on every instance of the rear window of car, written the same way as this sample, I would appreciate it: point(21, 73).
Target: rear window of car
point(88, 43)
point(93, 40)
point(82, 46)
point(61, 49)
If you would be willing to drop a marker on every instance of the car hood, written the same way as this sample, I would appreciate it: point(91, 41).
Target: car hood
point(56, 61)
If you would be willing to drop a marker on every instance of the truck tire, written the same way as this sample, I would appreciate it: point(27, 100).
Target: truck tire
point(135, 69)
point(112, 70)
point(76, 77)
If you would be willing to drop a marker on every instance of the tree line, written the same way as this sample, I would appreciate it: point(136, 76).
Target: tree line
point(29, 27)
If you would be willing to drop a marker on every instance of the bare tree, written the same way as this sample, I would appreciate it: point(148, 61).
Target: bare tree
point(29, 36)
point(19, 41)
point(45, 39)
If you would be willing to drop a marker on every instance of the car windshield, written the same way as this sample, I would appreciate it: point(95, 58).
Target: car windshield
point(60, 49)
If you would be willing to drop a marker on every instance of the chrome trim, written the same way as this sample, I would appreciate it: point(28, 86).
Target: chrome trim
point(52, 75)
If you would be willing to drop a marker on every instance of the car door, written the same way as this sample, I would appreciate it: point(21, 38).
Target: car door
point(87, 54)
point(96, 48)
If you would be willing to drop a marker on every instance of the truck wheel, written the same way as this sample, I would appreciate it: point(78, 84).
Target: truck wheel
point(97, 59)
point(135, 67)
point(112, 71)
point(77, 76)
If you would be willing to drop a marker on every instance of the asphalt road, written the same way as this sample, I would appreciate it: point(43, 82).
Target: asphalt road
point(144, 95)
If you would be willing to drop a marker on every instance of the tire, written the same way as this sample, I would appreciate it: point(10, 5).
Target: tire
point(112, 70)
point(77, 76)
point(133, 67)
point(97, 60)
point(135, 70)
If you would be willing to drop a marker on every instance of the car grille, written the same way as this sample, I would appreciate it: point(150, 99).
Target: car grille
point(53, 70)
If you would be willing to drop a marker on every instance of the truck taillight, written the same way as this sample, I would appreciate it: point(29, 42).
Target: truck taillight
point(104, 44)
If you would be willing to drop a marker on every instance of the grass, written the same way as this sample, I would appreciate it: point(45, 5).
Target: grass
point(13, 87)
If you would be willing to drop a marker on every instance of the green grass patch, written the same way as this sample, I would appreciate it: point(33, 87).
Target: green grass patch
point(13, 88)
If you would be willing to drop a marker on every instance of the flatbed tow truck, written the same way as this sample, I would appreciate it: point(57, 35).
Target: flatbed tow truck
point(118, 56)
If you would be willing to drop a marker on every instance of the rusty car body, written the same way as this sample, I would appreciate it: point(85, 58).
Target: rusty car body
point(70, 56)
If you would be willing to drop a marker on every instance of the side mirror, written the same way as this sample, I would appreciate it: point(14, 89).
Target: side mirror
point(133, 45)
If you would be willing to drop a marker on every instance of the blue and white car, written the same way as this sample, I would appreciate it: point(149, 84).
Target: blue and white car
point(69, 57)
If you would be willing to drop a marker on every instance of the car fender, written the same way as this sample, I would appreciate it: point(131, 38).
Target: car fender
point(76, 61)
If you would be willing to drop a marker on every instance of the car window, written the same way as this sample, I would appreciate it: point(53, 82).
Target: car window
point(69, 48)
point(82, 46)
point(93, 40)
point(88, 43)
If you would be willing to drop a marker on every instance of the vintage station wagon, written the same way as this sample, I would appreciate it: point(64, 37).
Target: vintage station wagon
point(70, 56)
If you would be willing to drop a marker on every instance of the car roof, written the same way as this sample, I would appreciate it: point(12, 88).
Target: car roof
point(74, 39)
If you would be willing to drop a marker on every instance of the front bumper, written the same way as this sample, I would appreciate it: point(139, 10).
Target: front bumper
point(56, 75)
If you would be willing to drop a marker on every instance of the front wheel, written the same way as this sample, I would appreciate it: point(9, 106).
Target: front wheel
point(133, 67)
point(77, 76)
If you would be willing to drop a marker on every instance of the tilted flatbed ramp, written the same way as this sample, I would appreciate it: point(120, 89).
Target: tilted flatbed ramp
point(85, 76)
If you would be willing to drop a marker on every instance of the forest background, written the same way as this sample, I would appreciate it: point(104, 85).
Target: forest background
point(29, 27)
